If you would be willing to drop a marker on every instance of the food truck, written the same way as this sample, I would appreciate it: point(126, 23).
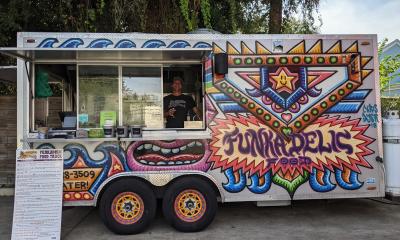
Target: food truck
point(279, 118)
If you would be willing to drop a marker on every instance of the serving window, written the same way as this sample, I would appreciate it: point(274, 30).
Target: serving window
point(89, 87)
point(125, 94)
point(133, 95)
point(98, 95)
point(142, 97)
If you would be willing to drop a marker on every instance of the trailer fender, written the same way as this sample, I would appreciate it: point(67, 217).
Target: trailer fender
point(157, 179)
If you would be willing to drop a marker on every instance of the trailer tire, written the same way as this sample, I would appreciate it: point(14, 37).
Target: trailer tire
point(189, 204)
point(128, 206)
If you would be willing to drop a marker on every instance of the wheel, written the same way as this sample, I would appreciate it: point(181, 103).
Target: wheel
point(189, 204)
point(127, 206)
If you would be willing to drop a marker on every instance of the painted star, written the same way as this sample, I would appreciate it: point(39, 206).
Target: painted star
point(283, 80)
point(117, 167)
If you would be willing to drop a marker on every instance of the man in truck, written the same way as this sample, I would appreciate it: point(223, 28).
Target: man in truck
point(179, 107)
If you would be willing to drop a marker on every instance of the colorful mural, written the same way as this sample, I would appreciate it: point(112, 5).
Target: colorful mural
point(277, 118)
point(275, 127)
point(83, 174)
point(165, 155)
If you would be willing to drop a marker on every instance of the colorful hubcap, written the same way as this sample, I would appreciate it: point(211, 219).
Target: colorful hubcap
point(127, 208)
point(190, 205)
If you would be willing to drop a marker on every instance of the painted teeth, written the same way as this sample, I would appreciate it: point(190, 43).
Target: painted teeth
point(182, 148)
point(175, 150)
point(165, 150)
point(156, 148)
point(162, 163)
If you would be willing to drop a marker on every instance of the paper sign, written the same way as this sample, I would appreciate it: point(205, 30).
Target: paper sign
point(38, 194)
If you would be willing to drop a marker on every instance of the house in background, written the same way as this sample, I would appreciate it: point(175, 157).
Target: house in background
point(392, 49)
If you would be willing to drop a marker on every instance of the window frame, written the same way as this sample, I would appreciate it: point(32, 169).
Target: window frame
point(121, 110)
point(78, 85)
point(120, 104)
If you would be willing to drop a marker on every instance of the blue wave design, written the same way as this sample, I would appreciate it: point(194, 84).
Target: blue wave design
point(202, 45)
point(47, 43)
point(153, 44)
point(125, 43)
point(316, 186)
point(353, 183)
point(179, 44)
point(77, 150)
point(255, 186)
point(100, 43)
point(231, 185)
point(71, 43)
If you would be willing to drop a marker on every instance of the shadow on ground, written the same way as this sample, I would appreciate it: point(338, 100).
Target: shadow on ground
point(312, 219)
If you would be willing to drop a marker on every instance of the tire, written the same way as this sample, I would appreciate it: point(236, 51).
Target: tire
point(189, 204)
point(128, 206)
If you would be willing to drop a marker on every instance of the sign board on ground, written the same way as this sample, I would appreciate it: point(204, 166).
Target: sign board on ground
point(38, 194)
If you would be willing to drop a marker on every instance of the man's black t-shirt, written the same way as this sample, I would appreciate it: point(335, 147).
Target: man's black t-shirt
point(182, 104)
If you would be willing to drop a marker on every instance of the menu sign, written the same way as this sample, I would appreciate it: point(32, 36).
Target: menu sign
point(38, 194)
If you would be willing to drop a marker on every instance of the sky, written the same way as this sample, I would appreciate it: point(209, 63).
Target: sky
point(380, 17)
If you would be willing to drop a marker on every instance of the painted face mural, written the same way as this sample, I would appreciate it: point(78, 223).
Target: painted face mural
point(169, 155)
point(275, 126)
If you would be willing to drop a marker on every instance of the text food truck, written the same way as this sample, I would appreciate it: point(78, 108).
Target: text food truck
point(196, 119)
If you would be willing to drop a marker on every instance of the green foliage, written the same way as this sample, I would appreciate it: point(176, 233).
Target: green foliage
point(389, 103)
point(252, 16)
point(298, 16)
point(161, 16)
point(389, 67)
point(299, 26)
point(205, 8)
point(184, 5)
point(190, 10)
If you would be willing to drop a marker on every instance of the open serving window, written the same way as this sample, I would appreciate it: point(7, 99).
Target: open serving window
point(89, 88)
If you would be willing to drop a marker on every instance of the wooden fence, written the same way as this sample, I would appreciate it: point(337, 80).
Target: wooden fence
point(8, 138)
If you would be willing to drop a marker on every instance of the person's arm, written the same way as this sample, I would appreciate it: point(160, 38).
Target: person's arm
point(168, 112)
point(194, 108)
point(197, 112)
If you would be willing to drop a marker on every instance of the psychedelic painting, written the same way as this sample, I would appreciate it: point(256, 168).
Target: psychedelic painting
point(293, 116)
point(287, 118)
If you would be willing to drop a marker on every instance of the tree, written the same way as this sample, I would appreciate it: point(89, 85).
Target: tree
point(282, 13)
point(156, 16)
point(389, 67)
point(275, 16)
point(299, 26)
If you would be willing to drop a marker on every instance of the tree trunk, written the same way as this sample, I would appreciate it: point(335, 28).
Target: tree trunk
point(275, 17)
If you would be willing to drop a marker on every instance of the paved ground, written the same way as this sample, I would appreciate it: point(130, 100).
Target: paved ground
point(316, 219)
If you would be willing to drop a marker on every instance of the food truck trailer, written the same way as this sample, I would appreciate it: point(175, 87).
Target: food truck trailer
point(282, 117)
